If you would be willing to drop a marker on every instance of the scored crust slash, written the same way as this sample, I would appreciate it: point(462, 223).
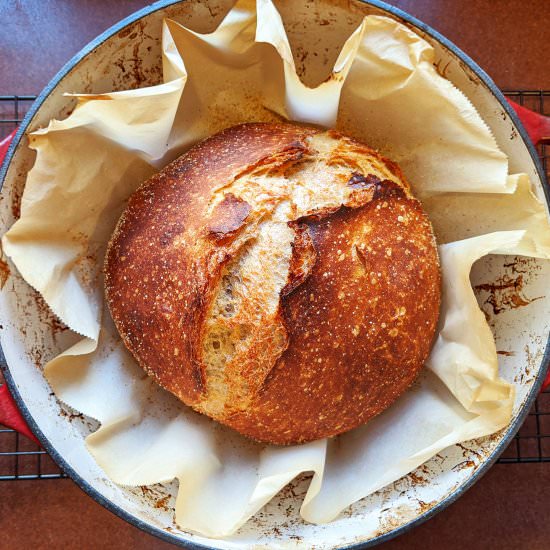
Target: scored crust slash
point(297, 293)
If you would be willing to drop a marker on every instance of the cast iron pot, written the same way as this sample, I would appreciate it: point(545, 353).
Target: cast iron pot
point(29, 337)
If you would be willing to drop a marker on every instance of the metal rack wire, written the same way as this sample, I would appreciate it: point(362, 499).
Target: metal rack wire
point(21, 458)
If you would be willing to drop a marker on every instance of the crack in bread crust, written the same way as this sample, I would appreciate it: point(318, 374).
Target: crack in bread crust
point(268, 234)
point(244, 334)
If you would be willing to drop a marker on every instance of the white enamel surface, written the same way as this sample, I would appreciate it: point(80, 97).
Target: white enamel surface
point(522, 331)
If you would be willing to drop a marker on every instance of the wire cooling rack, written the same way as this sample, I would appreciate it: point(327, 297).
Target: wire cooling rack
point(21, 458)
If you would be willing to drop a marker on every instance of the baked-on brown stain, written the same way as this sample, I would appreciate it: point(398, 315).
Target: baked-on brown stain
point(355, 319)
point(506, 293)
point(4, 271)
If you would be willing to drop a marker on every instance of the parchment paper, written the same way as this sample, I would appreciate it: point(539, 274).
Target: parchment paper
point(385, 91)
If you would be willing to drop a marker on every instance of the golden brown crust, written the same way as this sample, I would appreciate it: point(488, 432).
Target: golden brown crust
point(228, 217)
point(304, 256)
point(355, 319)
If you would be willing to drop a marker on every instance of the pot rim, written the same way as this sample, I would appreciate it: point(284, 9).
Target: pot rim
point(170, 537)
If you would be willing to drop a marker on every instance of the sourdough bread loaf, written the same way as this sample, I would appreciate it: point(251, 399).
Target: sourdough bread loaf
point(278, 278)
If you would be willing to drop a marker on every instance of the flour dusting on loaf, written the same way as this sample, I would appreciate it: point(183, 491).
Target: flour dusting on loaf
point(281, 279)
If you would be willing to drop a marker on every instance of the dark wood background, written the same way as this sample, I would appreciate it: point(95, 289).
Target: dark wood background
point(509, 508)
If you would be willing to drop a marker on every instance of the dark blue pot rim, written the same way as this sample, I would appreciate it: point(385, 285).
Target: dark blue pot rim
point(170, 537)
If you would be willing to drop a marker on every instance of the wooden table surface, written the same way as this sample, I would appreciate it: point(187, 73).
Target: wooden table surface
point(510, 507)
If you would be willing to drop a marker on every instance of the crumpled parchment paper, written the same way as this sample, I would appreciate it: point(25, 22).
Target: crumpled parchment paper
point(383, 90)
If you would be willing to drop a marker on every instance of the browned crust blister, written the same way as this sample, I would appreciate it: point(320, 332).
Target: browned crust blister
point(356, 317)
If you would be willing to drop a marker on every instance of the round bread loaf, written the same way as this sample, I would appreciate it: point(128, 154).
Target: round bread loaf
point(279, 279)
